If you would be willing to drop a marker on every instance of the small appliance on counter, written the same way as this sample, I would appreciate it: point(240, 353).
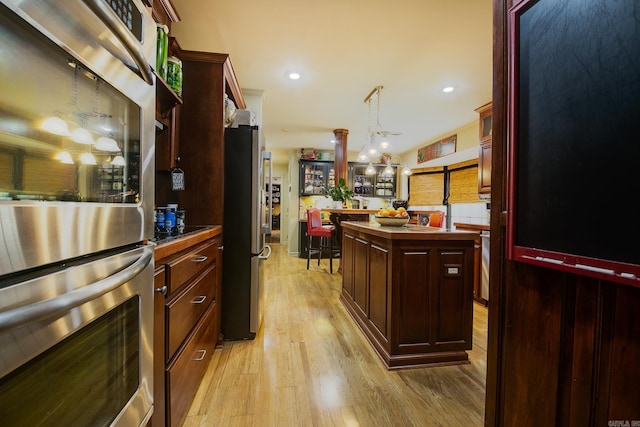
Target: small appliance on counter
point(400, 204)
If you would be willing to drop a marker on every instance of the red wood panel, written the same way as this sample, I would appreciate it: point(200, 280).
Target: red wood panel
point(452, 324)
point(414, 308)
point(361, 278)
point(532, 347)
point(379, 283)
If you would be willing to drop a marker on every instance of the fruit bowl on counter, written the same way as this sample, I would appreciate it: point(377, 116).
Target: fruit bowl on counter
point(392, 217)
point(392, 221)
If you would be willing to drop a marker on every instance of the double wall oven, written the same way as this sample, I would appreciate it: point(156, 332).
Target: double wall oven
point(77, 103)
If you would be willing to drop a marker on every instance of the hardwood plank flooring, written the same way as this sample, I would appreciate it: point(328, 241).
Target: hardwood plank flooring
point(310, 365)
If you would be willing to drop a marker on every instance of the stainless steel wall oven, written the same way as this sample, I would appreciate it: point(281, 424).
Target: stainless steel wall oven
point(77, 104)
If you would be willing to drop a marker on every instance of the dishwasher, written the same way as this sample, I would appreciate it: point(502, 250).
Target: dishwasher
point(484, 290)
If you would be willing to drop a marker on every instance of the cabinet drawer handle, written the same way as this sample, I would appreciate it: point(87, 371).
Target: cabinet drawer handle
point(162, 290)
point(203, 353)
point(201, 258)
point(199, 299)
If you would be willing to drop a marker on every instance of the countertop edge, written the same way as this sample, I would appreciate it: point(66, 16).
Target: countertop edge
point(467, 225)
point(178, 244)
point(410, 232)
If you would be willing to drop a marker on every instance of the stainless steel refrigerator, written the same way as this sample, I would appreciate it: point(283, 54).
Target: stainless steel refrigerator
point(246, 223)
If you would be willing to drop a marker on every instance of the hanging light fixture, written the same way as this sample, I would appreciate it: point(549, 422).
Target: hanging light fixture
point(118, 161)
point(64, 157)
point(55, 125)
point(378, 132)
point(406, 171)
point(363, 156)
point(370, 170)
point(107, 144)
point(88, 159)
point(388, 171)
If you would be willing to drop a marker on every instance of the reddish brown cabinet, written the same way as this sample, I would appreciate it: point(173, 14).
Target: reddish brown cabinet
point(186, 320)
point(484, 155)
point(410, 291)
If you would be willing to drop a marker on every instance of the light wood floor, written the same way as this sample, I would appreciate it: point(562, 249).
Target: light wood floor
point(310, 365)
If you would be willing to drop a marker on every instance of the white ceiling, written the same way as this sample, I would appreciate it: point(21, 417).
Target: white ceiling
point(344, 49)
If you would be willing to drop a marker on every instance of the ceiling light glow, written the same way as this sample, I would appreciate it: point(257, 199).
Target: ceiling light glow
point(294, 76)
point(448, 89)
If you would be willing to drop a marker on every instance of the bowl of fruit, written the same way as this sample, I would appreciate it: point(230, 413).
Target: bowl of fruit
point(393, 217)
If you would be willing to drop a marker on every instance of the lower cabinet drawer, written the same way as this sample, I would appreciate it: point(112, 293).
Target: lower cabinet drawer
point(183, 268)
point(185, 374)
point(184, 311)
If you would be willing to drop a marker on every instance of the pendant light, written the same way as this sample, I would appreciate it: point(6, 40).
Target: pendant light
point(388, 171)
point(118, 161)
point(107, 144)
point(379, 138)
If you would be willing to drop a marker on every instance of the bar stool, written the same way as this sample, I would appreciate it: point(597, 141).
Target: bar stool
point(325, 234)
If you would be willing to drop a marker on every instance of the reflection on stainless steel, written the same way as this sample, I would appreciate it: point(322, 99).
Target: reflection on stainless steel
point(37, 233)
point(48, 224)
point(486, 240)
point(21, 343)
point(76, 279)
point(30, 312)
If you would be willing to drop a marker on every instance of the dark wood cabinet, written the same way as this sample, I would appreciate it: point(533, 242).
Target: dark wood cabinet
point(187, 321)
point(376, 184)
point(167, 126)
point(315, 177)
point(206, 79)
point(484, 155)
point(410, 293)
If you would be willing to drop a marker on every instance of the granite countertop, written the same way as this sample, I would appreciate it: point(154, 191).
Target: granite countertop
point(409, 231)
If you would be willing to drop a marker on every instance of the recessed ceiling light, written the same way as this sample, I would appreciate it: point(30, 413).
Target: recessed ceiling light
point(333, 141)
point(448, 89)
point(294, 76)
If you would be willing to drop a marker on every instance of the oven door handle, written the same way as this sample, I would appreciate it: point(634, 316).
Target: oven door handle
point(33, 312)
point(111, 20)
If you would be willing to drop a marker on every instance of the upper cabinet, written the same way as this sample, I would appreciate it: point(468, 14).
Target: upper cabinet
point(484, 155)
point(167, 119)
point(167, 100)
point(207, 77)
point(315, 176)
point(377, 184)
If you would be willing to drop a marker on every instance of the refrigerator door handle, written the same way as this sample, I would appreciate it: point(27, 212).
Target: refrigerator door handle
point(266, 228)
point(260, 256)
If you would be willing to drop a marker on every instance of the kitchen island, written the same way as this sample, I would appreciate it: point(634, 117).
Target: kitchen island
point(410, 290)
point(344, 214)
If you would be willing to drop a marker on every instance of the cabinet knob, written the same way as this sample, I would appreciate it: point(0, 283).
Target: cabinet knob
point(178, 158)
point(221, 248)
point(162, 290)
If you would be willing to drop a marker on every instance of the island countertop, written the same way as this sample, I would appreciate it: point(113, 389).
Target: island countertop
point(350, 211)
point(409, 231)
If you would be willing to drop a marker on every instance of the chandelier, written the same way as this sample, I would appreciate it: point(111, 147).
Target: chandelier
point(378, 139)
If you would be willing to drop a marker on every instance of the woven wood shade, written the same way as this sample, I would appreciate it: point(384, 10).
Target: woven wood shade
point(426, 187)
point(48, 176)
point(464, 183)
point(6, 168)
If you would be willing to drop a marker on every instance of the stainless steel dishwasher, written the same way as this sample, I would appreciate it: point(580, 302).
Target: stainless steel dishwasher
point(484, 290)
